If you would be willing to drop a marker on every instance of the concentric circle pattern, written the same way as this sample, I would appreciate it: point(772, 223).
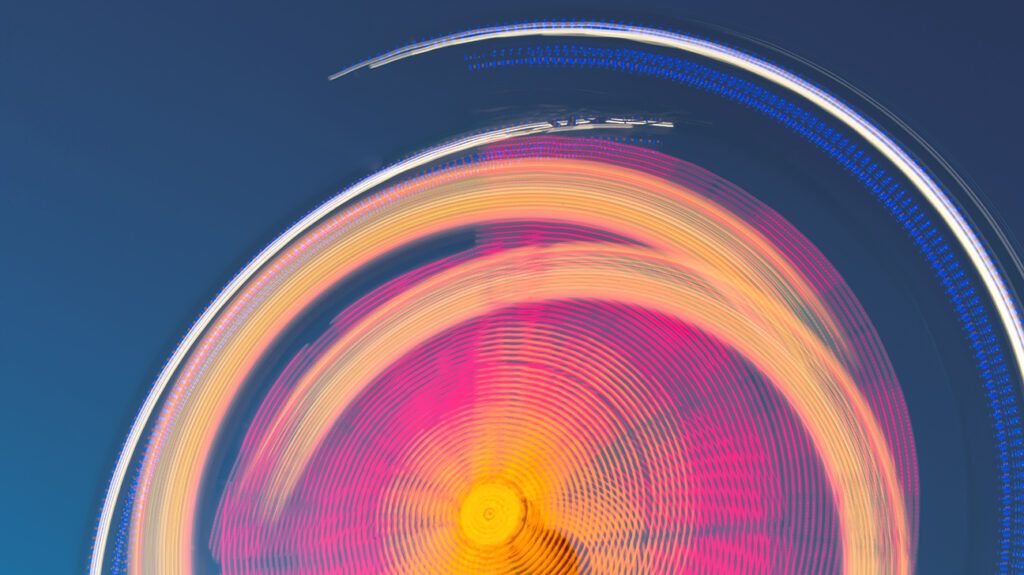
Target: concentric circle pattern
point(558, 355)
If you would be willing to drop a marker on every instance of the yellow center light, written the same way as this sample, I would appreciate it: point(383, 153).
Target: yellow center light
point(492, 514)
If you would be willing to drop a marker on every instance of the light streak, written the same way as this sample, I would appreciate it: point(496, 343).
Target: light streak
point(684, 250)
point(932, 192)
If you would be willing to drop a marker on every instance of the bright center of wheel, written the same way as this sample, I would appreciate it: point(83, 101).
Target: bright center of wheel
point(492, 513)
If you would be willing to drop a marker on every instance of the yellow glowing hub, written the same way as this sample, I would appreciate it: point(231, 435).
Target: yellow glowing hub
point(492, 513)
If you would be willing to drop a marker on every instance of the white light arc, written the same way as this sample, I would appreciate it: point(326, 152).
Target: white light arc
point(932, 192)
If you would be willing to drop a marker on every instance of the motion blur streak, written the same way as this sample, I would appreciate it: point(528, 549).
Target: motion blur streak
point(206, 338)
point(991, 276)
point(634, 366)
point(142, 419)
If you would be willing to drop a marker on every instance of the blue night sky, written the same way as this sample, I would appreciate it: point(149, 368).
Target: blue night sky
point(147, 152)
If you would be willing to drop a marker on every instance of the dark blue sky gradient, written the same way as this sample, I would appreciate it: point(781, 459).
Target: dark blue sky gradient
point(147, 152)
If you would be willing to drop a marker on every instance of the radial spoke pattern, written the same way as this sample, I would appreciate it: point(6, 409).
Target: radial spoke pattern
point(592, 358)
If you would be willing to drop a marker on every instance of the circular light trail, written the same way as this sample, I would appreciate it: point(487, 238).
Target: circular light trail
point(635, 366)
point(627, 364)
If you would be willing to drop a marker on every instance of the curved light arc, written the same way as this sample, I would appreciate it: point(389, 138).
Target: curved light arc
point(933, 193)
point(229, 291)
point(938, 199)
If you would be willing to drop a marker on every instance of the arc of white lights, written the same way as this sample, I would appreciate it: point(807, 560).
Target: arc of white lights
point(938, 199)
point(229, 291)
point(933, 193)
